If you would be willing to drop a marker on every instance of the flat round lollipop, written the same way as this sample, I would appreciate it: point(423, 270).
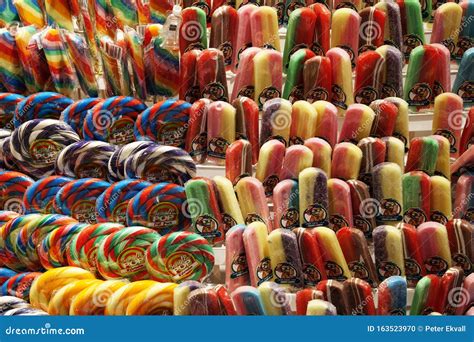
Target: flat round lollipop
point(165, 122)
point(19, 285)
point(85, 159)
point(119, 157)
point(39, 196)
point(178, 257)
point(8, 103)
point(159, 207)
point(78, 199)
point(159, 163)
point(113, 120)
point(45, 105)
point(35, 145)
point(112, 205)
point(75, 114)
point(12, 187)
point(122, 254)
point(5, 274)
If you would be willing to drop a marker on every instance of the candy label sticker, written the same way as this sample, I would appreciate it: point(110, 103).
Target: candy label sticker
point(247, 91)
point(204, 6)
point(359, 270)
point(464, 262)
point(438, 216)
point(414, 216)
point(91, 171)
point(131, 260)
point(451, 138)
point(389, 210)
point(391, 42)
point(410, 41)
point(450, 45)
point(347, 4)
point(280, 6)
point(285, 273)
point(436, 265)
point(387, 269)
point(469, 215)
point(192, 94)
point(267, 94)
point(156, 174)
point(269, 184)
point(242, 49)
point(315, 216)
point(199, 145)
point(317, 49)
point(388, 91)
point(349, 51)
point(207, 226)
point(466, 91)
point(194, 46)
point(366, 95)
point(84, 211)
point(239, 266)
point(163, 215)
point(264, 270)
point(337, 222)
point(296, 141)
point(254, 218)
point(121, 131)
point(215, 92)
point(228, 222)
point(293, 50)
point(437, 90)
point(311, 274)
point(296, 94)
point(464, 44)
point(363, 224)
point(290, 218)
point(119, 213)
point(338, 97)
point(367, 47)
point(317, 94)
point(217, 147)
point(279, 138)
point(181, 265)
point(412, 270)
point(172, 134)
point(292, 6)
point(227, 51)
point(44, 151)
point(334, 271)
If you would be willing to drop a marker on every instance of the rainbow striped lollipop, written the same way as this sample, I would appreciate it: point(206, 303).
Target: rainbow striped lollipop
point(82, 251)
point(59, 13)
point(113, 120)
point(11, 73)
point(119, 158)
point(6, 216)
point(159, 207)
point(6, 274)
point(125, 11)
point(8, 13)
point(165, 123)
point(85, 159)
point(19, 285)
point(178, 257)
point(75, 114)
point(12, 187)
point(122, 254)
point(78, 199)
point(45, 105)
point(39, 196)
point(8, 103)
point(135, 48)
point(112, 205)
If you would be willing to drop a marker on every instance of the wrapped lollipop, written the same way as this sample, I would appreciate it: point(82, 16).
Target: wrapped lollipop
point(8, 103)
point(160, 207)
point(78, 198)
point(85, 159)
point(23, 37)
point(122, 254)
point(159, 163)
point(113, 120)
point(135, 48)
point(179, 257)
point(39, 196)
point(75, 114)
point(11, 74)
point(59, 14)
point(118, 160)
point(9, 13)
point(12, 187)
point(19, 285)
point(45, 105)
point(82, 250)
point(192, 32)
point(49, 282)
point(30, 13)
point(125, 11)
point(166, 123)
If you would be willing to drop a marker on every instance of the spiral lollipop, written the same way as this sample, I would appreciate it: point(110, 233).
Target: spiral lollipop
point(122, 254)
point(19, 285)
point(159, 207)
point(8, 103)
point(45, 105)
point(82, 251)
point(178, 257)
point(165, 122)
point(6, 274)
point(118, 302)
point(158, 163)
point(35, 144)
point(78, 199)
point(39, 196)
point(5, 133)
point(60, 302)
point(75, 114)
point(92, 300)
point(112, 205)
point(113, 120)
point(8, 242)
point(6, 159)
point(52, 251)
point(6, 216)
point(51, 281)
point(12, 187)
point(85, 159)
point(32, 234)
point(155, 300)
point(119, 158)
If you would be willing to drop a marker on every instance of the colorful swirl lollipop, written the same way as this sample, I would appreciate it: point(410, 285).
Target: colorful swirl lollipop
point(39, 196)
point(122, 254)
point(178, 257)
point(35, 145)
point(82, 251)
point(60, 302)
point(112, 205)
point(6, 274)
point(6, 216)
point(113, 120)
point(45, 105)
point(19, 285)
point(85, 159)
point(6, 159)
point(159, 163)
point(51, 281)
point(75, 114)
point(155, 300)
point(166, 123)
point(120, 156)
point(8, 103)
point(78, 199)
point(11, 73)
point(118, 302)
point(12, 187)
point(159, 207)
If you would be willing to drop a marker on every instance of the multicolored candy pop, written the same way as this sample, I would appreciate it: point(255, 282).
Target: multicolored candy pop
point(156, 300)
point(345, 31)
point(322, 152)
point(39, 196)
point(413, 33)
point(332, 291)
point(294, 84)
point(340, 206)
point(317, 79)
point(61, 299)
point(440, 201)
point(237, 269)
point(346, 161)
point(427, 296)
point(192, 32)
point(12, 187)
point(220, 130)
point(360, 300)
point(274, 299)
point(446, 25)
point(264, 21)
point(313, 198)
point(257, 253)
point(387, 191)
point(357, 123)
point(303, 122)
point(270, 163)
point(297, 158)
point(463, 82)
point(118, 302)
point(228, 204)
point(310, 255)
point(268, 75)
point(286, 204)
point(388, 249)
point(189, 89)
point(342, 90)
point(460, 233)
point(247, 301)
point(253, 203)
point(303, 297)
point(372, 28)
point(416, 197)
point(392, 297)
point(434, 243)
point(196, 135)
point(393, 25)
point(75, 114)
point(11, 76)
point(224, 26)
point(248, 123)
point(276, 121)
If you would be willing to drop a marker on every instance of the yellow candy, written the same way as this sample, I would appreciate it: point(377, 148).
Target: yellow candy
point(156, 300)
point(61, 301)
point(119, 301)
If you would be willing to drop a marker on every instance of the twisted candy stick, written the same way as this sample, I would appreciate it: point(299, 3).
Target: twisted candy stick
point(113, 120)
point(119, 158)
point(112, 205)
point(125, 12)
point(165, 122)
point(165, 258)
point(105, 23)
point(39, 196)
point(59, 13)
point(12, 187)
point(85, 159)
point(159, 207)
point(6, 216)
point(158, 163)
point(135, 47)
point(11, 73)
point(23, 37)
point(45, 105)
point(77, 198)
point(164, 65)
point(30, 12)
point(75, 114)
point(35, 145)
point(122, 254)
